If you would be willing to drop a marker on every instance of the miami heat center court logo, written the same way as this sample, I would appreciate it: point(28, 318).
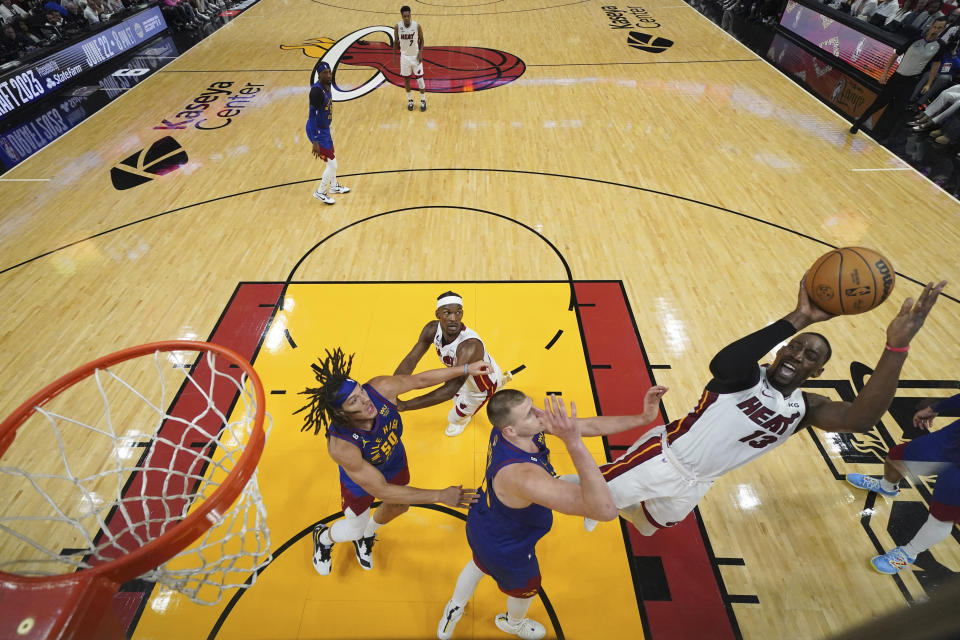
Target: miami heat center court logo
point(446, 69)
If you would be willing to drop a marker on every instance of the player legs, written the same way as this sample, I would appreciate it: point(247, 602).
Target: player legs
point(944, 512)
point(405, 70)
point(467, 583)
point(466, 403)
point(357, 525)
point(329, 176)
point(422, 86)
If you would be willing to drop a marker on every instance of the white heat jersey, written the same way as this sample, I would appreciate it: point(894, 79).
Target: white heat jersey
point(409, 38)
point(448, 355)
point(728, 430)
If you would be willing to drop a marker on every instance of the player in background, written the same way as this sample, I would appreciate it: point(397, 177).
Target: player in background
point(408, 42)
point(456, 345)
point(521, 492)
point(747, 410)
point(931, 454)
point(363, 431)
point(318, 132)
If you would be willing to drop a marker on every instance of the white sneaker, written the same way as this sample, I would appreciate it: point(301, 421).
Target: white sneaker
point(364, 549)
point(321, 552)
point(322, 197)
point(451, 615)
point(339, 188)
point(590, 524)
point(453, 430)
point(527, 629)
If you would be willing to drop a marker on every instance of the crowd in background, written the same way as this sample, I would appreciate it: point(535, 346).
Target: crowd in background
point(31, 25)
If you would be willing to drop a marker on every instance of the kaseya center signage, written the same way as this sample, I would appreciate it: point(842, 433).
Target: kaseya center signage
point(639, 23)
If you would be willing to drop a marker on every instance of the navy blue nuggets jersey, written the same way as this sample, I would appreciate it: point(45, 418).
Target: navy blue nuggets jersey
point(321, 113)
point(381, 446)
point(502, 538)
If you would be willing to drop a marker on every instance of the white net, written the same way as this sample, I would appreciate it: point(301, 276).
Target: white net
point(123, 456)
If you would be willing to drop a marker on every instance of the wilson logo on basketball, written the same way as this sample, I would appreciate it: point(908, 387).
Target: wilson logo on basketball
point(450, 69)
point(647, 42)
point(163, 156)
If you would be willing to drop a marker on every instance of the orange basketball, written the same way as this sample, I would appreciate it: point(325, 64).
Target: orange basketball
point(849, 280)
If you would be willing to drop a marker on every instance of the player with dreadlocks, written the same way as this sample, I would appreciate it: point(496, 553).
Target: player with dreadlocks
point(363, 429)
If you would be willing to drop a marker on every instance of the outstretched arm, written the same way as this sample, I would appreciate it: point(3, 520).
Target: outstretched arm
point(392, 386)
point(409, 362)
point(470, 351)
point(532, 484)
point(372, 481)
point(606, 425)
point(735, 367)
point(863, 413)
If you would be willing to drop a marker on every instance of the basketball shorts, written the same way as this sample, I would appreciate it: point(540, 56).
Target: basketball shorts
point(326, 143)
point(471, 396)
point(520, 579)
point(353, 497)
point(936, 454)
point(644, 477)
point(409, 64)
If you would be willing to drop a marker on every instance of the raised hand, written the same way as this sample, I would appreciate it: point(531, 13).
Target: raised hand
point(911, 316)
point(479, 368)
point(923, 419)
point(651, 402)
point(559, 423)
point(807, 308)
point(458, 497)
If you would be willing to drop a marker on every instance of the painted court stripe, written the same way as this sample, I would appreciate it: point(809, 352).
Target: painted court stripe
point(696, 607)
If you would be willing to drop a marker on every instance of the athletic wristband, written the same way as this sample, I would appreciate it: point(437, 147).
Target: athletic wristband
point(464, 369)
point(898, 349)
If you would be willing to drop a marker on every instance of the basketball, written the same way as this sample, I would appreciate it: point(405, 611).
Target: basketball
point(850, 280)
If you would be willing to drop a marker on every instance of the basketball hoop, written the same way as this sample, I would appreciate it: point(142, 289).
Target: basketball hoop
point(105, 482)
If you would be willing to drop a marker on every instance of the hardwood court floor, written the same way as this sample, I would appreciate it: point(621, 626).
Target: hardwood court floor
point(699, 177)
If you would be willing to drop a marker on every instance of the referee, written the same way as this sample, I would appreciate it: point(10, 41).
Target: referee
point(897, 90)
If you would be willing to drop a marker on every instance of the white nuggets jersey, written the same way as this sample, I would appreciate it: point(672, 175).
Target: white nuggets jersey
point(409, 38)
point(728, 430)
point(448, 355)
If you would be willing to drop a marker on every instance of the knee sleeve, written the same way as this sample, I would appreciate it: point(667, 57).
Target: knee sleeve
point(350, 527)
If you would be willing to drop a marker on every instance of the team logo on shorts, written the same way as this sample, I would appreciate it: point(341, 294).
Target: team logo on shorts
point(452, 69)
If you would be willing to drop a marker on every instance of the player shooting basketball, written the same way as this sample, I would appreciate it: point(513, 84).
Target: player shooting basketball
point(363, 437)
point(748, 409)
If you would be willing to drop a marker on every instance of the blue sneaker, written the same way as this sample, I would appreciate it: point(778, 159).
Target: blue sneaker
point(892, 561)
point(870, 483)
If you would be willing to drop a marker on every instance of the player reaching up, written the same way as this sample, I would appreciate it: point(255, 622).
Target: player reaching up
point(363, 430)
point(747, 410)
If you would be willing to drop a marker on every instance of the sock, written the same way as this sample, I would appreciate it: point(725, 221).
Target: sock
point(466, 583)
point(329, 176)
point(517, 609)
point(372, 526)
point(932, 532)
point(409, 97)
point(887, 485)
point(325, 538)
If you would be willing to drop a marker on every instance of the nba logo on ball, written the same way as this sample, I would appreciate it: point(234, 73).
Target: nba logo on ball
point(648, 43)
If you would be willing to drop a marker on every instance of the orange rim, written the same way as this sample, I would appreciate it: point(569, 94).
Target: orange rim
point(164, 547)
